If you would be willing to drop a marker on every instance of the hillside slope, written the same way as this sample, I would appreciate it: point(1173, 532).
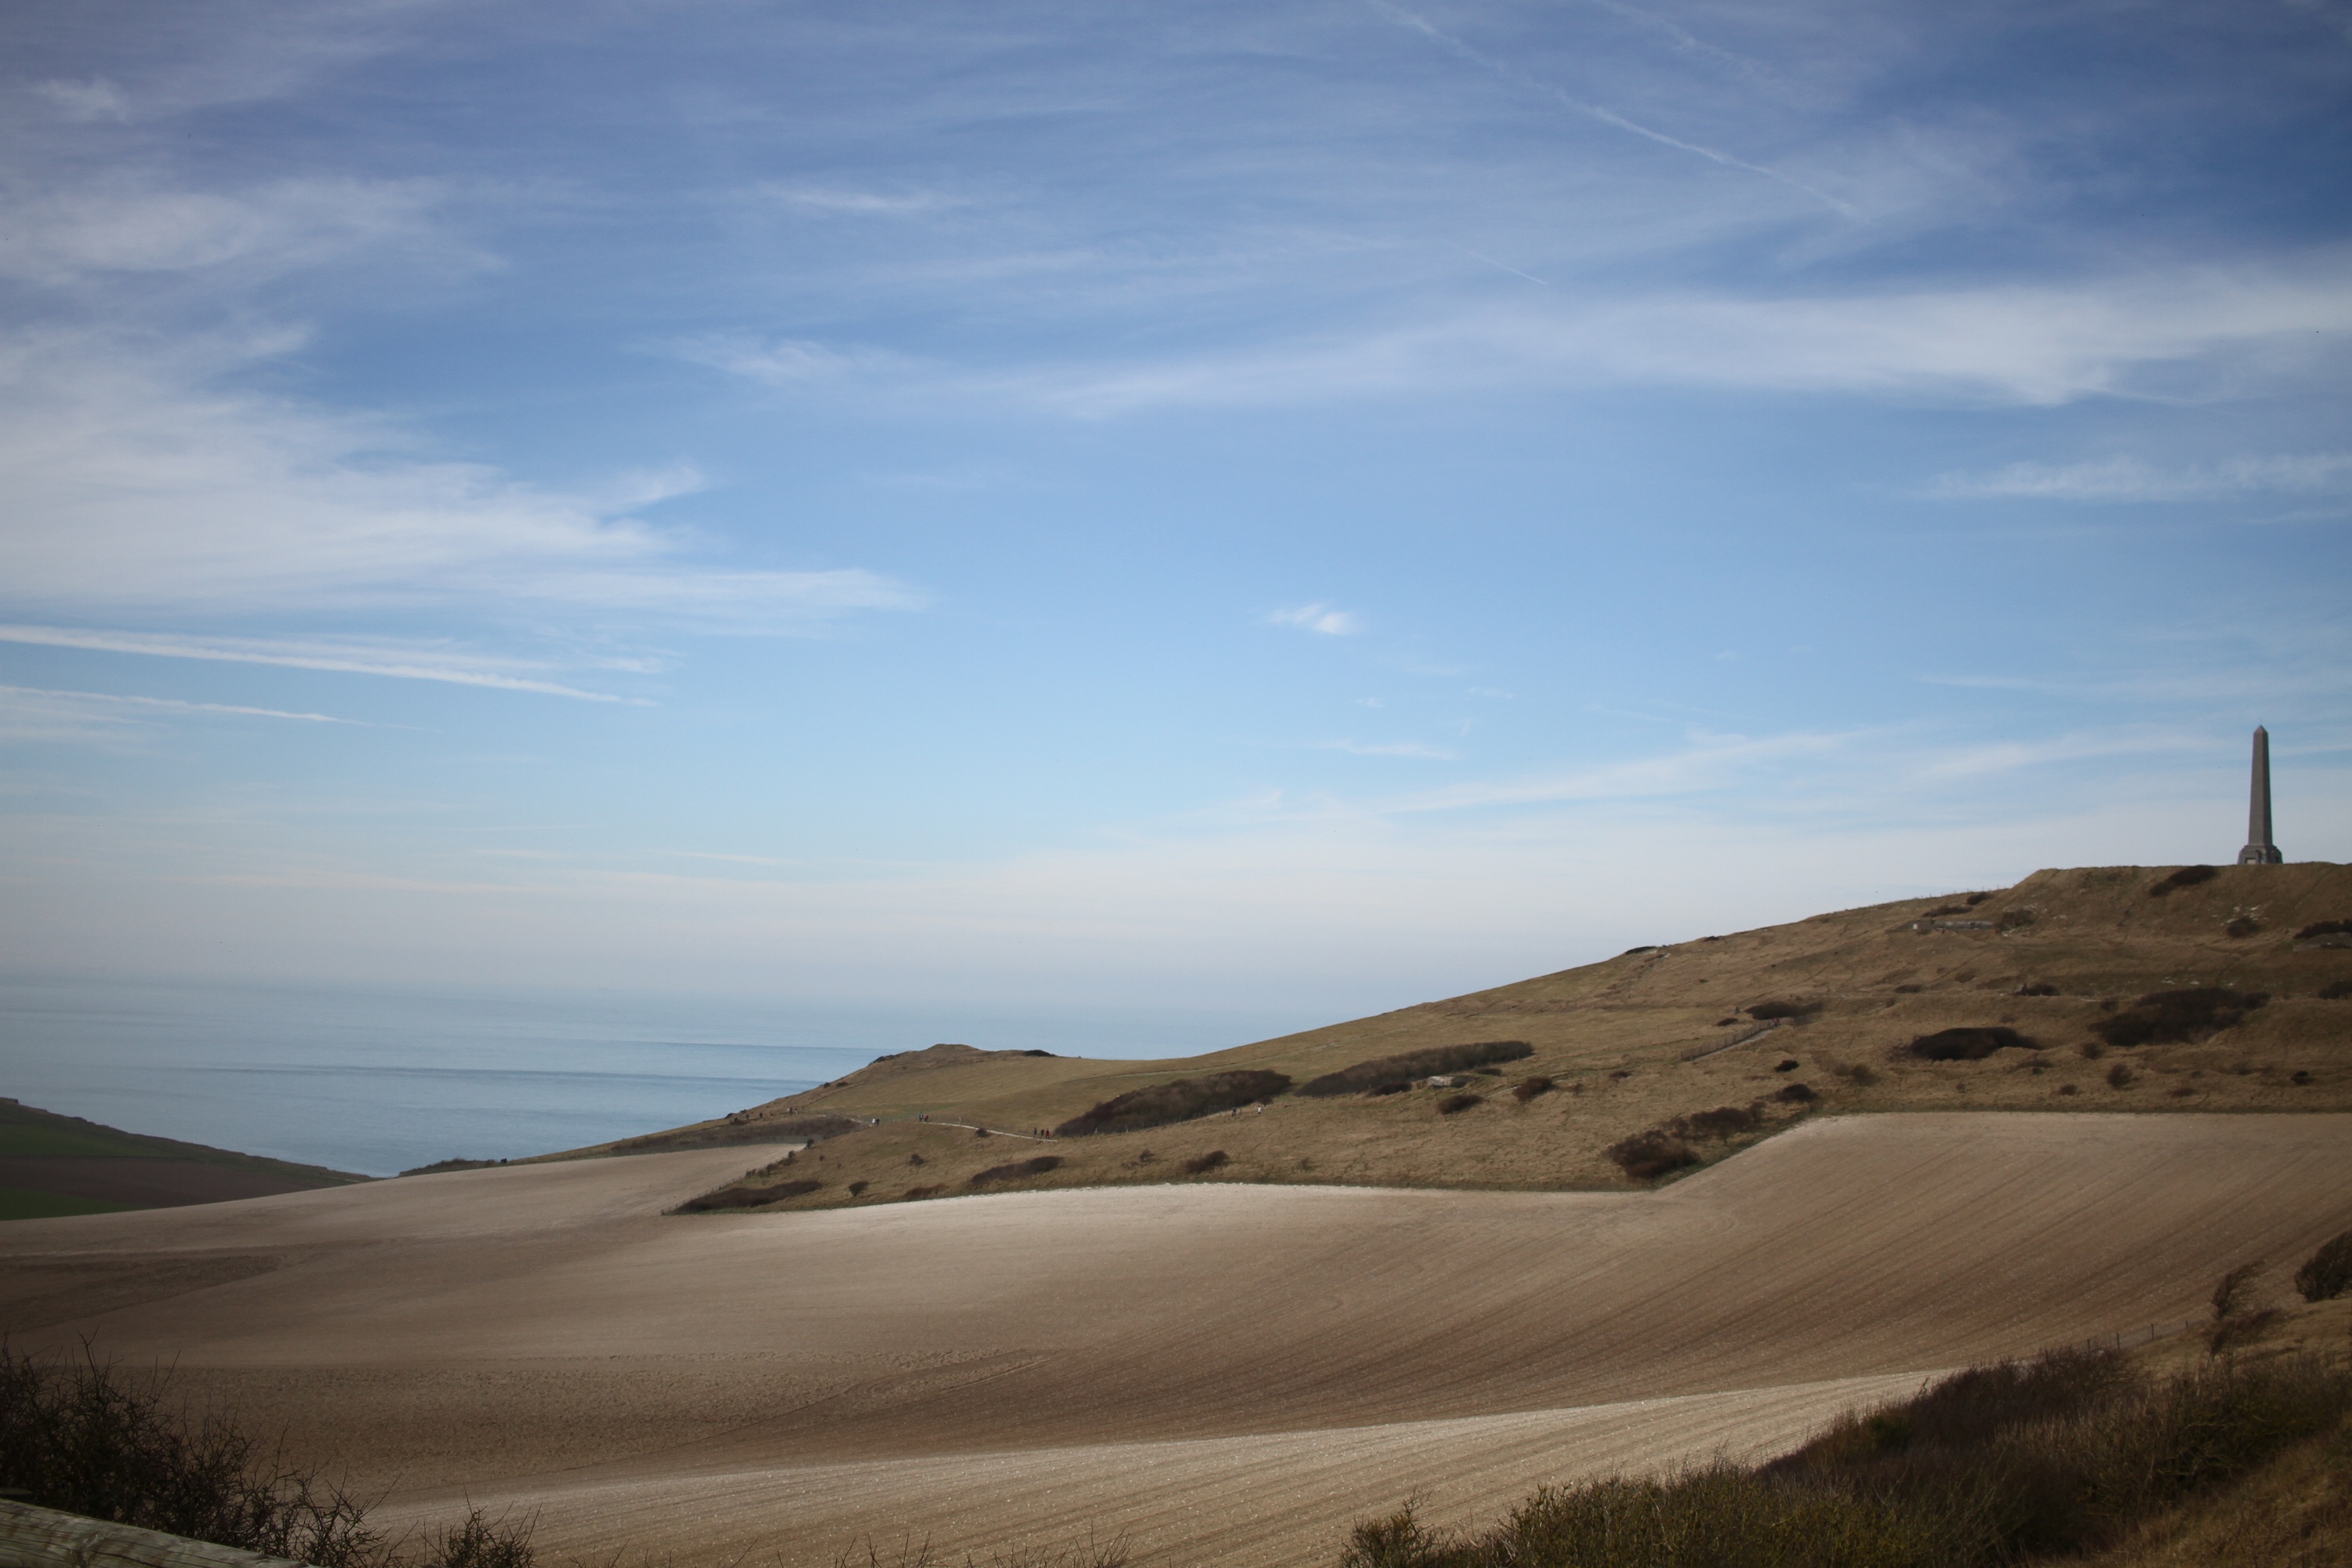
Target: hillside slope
point(52, 1164)
point(1666, 1032)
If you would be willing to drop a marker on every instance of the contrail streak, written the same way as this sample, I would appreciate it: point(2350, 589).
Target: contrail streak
point(1422, 26)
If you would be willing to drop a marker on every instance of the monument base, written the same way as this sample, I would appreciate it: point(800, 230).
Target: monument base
point(2261, 855)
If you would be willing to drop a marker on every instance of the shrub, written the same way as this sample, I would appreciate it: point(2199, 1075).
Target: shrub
point(1968, 1045)
point(1181, 1100)
point(1458, 1102)
point(1797, 1094)
point(2013, 919)
point(929, 1192)
point(2241, 926)
point(1976, 899)
point(2091, 1050)
point(1787, 1064)
point(2038, 988)
point(1382, 1071)
point(1527, 1088)
point(2166, 1016)
point(2186, 877)
point(1909, 989)
point(2323, 928)
point(2335, 991)
point(917, 1160)
point(1862, 1074)
point(2327, 1273)
point(1723, 1121)
point(1015, 1171)
point(2121, 1076)
point(1645, 1156)
point(858, 1188)
point(738, 1196)
point(1379, 1090)
point(1766, 1012)
point(1200, 1165)
point(84, 1437)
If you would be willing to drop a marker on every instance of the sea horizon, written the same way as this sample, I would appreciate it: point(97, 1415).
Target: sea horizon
point(377, 1079)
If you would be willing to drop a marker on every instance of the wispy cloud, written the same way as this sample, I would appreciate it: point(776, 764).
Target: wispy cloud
point(44, 713)
point(858, 204)
point(137, 481)
point(2043, 345)
point(124, 230)
point(384, 657)
point(2131, 479)
point(1319, 617)
point(794, 362)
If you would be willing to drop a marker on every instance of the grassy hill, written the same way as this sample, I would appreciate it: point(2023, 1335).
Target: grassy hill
point(52, 1164)
point(1697, 1047)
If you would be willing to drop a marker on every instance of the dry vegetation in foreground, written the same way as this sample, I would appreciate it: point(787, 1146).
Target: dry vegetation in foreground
point(85, 1437)
point(2207, 1451)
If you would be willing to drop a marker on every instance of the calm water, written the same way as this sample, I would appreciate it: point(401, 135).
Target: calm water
point(382, 1081)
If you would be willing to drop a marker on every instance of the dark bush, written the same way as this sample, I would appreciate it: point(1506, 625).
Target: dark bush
point(1527, 1088)
point(83, 1437)
point(931, 1192)
point(2038, 988)
point(2186, 877)
point(1723, 1121)
point(1015, 1171)
point(858, 1188)
point(1180, 1100)
point(1787, 1064)
point(2091, 1050)
point(2241, 926)
point(2323, 928)
point(1765, 1011)
point(1379, 1090)
point(1909, 989)
point(2335, 991)
point(2121, 1076)
point(2300, 1076)
point(742, 1197)
point(1797, 1094)
point(1862, 1074)
point(2013, 919)
point(1645, 1156)
point(1970, 1044)
point(1458, 1102)
point(1200, 1165)
point(1726, 1023)
point(1976, 899)
point(2166, 1016)
point(917, 1160)
point(1403, 1068)
point(2327, 1273)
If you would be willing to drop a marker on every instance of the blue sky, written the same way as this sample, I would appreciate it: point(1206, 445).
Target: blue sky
point(1282, 509)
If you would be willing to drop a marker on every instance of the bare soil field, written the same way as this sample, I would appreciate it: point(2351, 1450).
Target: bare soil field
point(1223, 1370)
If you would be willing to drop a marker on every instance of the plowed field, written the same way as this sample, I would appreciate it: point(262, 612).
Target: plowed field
point(1224, 1372)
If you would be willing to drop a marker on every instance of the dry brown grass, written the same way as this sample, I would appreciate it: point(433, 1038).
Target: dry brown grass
point(1629, 1044)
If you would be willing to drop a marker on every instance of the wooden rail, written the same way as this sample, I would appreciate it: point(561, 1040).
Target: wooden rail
point(43, 1538)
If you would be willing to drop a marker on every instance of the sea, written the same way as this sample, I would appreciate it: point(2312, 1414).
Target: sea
point(381, 1081)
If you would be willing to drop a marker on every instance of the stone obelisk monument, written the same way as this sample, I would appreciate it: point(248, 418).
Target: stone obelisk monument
point(2259, 849)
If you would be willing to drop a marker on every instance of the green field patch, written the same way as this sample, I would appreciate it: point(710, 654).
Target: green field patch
point(23, 1138)
point(16, 1203)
